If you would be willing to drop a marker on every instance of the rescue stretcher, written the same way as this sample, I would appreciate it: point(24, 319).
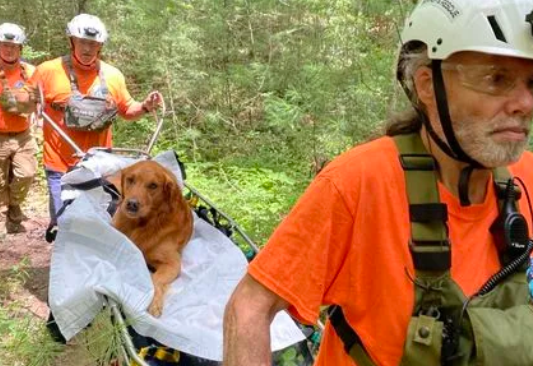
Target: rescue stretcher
point(135, 349)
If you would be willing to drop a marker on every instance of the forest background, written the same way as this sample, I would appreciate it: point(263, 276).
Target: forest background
point(259, 93)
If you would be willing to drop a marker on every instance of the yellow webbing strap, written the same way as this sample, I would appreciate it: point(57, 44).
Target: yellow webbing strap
point(160, 353)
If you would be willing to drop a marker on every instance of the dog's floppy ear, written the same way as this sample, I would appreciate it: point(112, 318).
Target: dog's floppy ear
point(123, 174)
point(116, 180)
point(171, 189)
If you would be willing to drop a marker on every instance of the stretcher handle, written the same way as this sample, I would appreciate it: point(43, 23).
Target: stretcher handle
point(127, 345)
point(159, 126)
point(121, 151)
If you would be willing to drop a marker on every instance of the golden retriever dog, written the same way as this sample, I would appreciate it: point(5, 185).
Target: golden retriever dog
point(156, 217)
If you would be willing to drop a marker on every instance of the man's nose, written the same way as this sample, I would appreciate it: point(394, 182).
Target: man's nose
point(521, 100)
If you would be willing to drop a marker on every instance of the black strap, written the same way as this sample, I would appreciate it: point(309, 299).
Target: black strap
point(445, 119)
point(428, 260)
point(90, 184)
point(464, 179)
point(108, 187)
point(427, 212)
point(343, 329)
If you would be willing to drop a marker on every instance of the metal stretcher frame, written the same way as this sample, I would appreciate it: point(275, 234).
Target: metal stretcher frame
point(127, 349)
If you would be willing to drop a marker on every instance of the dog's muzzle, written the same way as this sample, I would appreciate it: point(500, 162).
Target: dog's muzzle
point(132, 205)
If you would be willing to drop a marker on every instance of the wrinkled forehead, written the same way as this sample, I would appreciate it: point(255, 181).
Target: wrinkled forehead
point(519, 65)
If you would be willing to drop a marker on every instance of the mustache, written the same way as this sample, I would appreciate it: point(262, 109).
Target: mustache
point(522, 124)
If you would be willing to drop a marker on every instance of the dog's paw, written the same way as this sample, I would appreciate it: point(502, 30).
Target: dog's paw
point(156, 308)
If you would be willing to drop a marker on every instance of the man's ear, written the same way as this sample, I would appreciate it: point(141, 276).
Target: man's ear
point(423, 82)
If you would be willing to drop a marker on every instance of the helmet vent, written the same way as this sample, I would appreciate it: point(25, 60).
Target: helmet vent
point(91, 32)
point(498, 33)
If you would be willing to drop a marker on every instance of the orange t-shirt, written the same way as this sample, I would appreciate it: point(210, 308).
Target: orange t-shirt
point(53, 77)
point(11, 122)
point(345, 243)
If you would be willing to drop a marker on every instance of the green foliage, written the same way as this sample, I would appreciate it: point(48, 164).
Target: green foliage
point(255, 92)
point(257, 196)
point(23, 339)
point(100, 343)
point(289, 357)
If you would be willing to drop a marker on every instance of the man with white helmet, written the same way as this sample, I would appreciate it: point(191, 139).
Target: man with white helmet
point(17, 146)
point(417, 241)
point(82, 95)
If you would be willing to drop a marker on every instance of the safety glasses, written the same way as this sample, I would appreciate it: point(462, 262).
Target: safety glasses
point(488, 79)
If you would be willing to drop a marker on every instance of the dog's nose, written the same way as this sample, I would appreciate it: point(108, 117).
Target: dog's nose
point(132, 205)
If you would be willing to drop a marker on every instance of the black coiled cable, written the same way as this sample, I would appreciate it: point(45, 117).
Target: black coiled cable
point(506, 271)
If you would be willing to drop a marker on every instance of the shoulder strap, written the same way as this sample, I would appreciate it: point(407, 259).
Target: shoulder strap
point(352, 343)
point(74, 80)
point(72, 77)
point(429, 245)
point(24, 71)
point(103, 83)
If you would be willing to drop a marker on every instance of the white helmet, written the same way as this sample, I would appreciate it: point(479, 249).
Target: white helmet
point(498, 27)
point(88, 27)
point(12, 33)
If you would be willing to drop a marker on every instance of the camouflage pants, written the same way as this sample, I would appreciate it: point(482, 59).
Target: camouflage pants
point(18, 166)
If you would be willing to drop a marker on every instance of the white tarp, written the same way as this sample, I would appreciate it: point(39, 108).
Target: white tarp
point(91, 259)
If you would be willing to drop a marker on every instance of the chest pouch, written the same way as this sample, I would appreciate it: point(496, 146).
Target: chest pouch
point(447, 328)
point(19, 99)
point(89, 112)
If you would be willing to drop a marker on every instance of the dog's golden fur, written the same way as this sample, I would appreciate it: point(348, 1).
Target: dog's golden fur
point(156, 217)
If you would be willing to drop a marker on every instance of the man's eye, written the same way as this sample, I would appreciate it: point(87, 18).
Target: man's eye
point(500, 80)
point(152, 186)
point(530, 84)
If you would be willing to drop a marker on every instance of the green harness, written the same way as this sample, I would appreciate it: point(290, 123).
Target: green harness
point(447, 328)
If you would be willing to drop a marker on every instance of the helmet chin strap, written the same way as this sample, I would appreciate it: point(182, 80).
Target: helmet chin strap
point(90, 66)
point(453, 148)
point(10, 63)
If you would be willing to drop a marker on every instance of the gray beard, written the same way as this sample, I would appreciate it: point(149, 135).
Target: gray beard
point(474, 136)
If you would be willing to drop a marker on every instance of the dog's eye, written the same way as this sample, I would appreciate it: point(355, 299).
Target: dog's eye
point(152, 186)
point(130, 180)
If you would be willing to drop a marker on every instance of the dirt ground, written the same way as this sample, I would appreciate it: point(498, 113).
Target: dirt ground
point(31, 249)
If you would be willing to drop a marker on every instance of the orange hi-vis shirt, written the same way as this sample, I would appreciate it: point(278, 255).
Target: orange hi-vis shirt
point(53, 77)
point(12, 123)
point(346, 242)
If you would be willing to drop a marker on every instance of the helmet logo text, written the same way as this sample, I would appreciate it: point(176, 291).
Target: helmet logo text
point(447, 5)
